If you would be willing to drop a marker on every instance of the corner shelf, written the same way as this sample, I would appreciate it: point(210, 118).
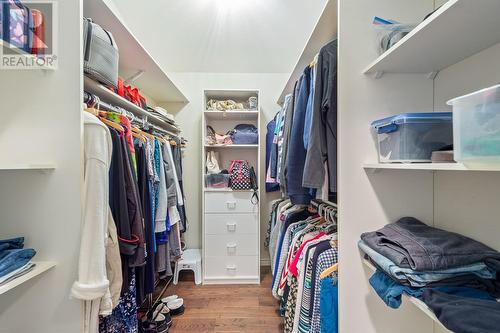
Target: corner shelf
point(41, 267)
point(456, 31)
point(425, 166)
point(34, 166)
point(135, 60)
point(110, 97)
point(418, 303)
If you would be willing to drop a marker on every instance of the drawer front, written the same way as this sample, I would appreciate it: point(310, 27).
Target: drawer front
point(227, 267)
point(227, 224)
point(229, 202)
point(231, 245)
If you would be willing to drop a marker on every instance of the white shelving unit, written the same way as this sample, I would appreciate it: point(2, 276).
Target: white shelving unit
point(426, 167)
point(324, 32)
point(456, 31)
point(415, 301)
point(135, 60)
point(230, 221)
point(40, 268)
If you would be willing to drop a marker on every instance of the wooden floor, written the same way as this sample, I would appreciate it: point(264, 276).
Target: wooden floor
point(226, 308)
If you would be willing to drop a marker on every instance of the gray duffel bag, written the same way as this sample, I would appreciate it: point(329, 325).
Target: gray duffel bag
point(100, 54)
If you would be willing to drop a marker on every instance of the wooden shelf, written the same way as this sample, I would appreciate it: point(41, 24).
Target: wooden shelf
point(134, 58)
point(110, 97)
point(458, 30)
point(324, 32)
point(232, 146)
point(418, 303)
point(41, 267)
point(33, 166)
point(232, 115)
point(426, 166)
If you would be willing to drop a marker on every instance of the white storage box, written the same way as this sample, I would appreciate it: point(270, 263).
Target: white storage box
point(412, 137)
point(476, 126)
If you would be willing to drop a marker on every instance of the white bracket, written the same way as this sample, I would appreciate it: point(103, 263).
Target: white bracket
point(378, 74)
point(134, 77)
point(432, 75)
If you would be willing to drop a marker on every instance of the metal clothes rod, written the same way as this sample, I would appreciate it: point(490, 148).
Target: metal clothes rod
point(87, 97)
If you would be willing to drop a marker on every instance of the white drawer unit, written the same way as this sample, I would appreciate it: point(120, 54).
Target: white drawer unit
point(231, 245)
point(231, 224)
point(237, 268)
point(230, 220)
point(229, 202)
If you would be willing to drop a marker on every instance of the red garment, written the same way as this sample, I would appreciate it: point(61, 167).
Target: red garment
point(293, 266)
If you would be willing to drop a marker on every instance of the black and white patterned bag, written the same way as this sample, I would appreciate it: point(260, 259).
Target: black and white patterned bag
point(240, 175)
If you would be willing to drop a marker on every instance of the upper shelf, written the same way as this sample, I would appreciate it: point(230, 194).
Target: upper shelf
point(110, 97)
point(134, 58)
point(31, 166)
point(418, 303)
point(427, 166)
point(324, 32)
point(40, 267)
point(232, 115)
point(458, 30)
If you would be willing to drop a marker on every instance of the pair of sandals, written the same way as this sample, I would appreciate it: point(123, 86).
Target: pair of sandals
point(160, 319)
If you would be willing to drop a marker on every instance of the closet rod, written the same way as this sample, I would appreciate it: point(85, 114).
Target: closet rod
point(87, 97)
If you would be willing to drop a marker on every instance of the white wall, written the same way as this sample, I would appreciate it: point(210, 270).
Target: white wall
point(41, 123)
point(189, 119)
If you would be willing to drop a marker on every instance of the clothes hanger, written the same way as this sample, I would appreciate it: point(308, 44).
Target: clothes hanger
point(140, 132)
point(110, 123)
point(332, 269)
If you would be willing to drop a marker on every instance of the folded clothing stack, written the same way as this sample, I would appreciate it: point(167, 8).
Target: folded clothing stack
point(15, 261)
point(438, 267)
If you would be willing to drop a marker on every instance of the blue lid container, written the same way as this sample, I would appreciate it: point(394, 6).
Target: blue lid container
point(391, 124)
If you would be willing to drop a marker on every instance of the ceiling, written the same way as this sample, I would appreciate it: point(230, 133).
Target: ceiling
point(226, 36)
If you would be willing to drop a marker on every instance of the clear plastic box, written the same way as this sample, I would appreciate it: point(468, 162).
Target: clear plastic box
point(218, 180)
point(412, 137)
point(476, 124)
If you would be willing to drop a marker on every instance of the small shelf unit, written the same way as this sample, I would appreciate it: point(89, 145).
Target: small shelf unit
point(415, 301)
point(427, 167)
point(135, 61)
point(230, 219)
point(40, 268)
point(456, 31)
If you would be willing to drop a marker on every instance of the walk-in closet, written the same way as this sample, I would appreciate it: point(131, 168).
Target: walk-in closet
point(257, 166)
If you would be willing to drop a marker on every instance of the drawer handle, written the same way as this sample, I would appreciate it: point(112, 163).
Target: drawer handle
point(231, 227)
point(231, 204)
point(231, 267)
point(231, 247)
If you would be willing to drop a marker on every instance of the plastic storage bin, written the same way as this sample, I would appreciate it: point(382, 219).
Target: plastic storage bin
point(476, 126)
point(412, 137)
point(218, 180)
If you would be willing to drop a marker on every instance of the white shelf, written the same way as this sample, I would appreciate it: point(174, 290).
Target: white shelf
point(41, 267)
point(33, 166)
point(110, 97)
point(232, 146)
point(418, 303)
point(458, 30)
point(426, 166)
point(232, 115)
point(224, 190)
point(324, 32)
point(154, 82)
